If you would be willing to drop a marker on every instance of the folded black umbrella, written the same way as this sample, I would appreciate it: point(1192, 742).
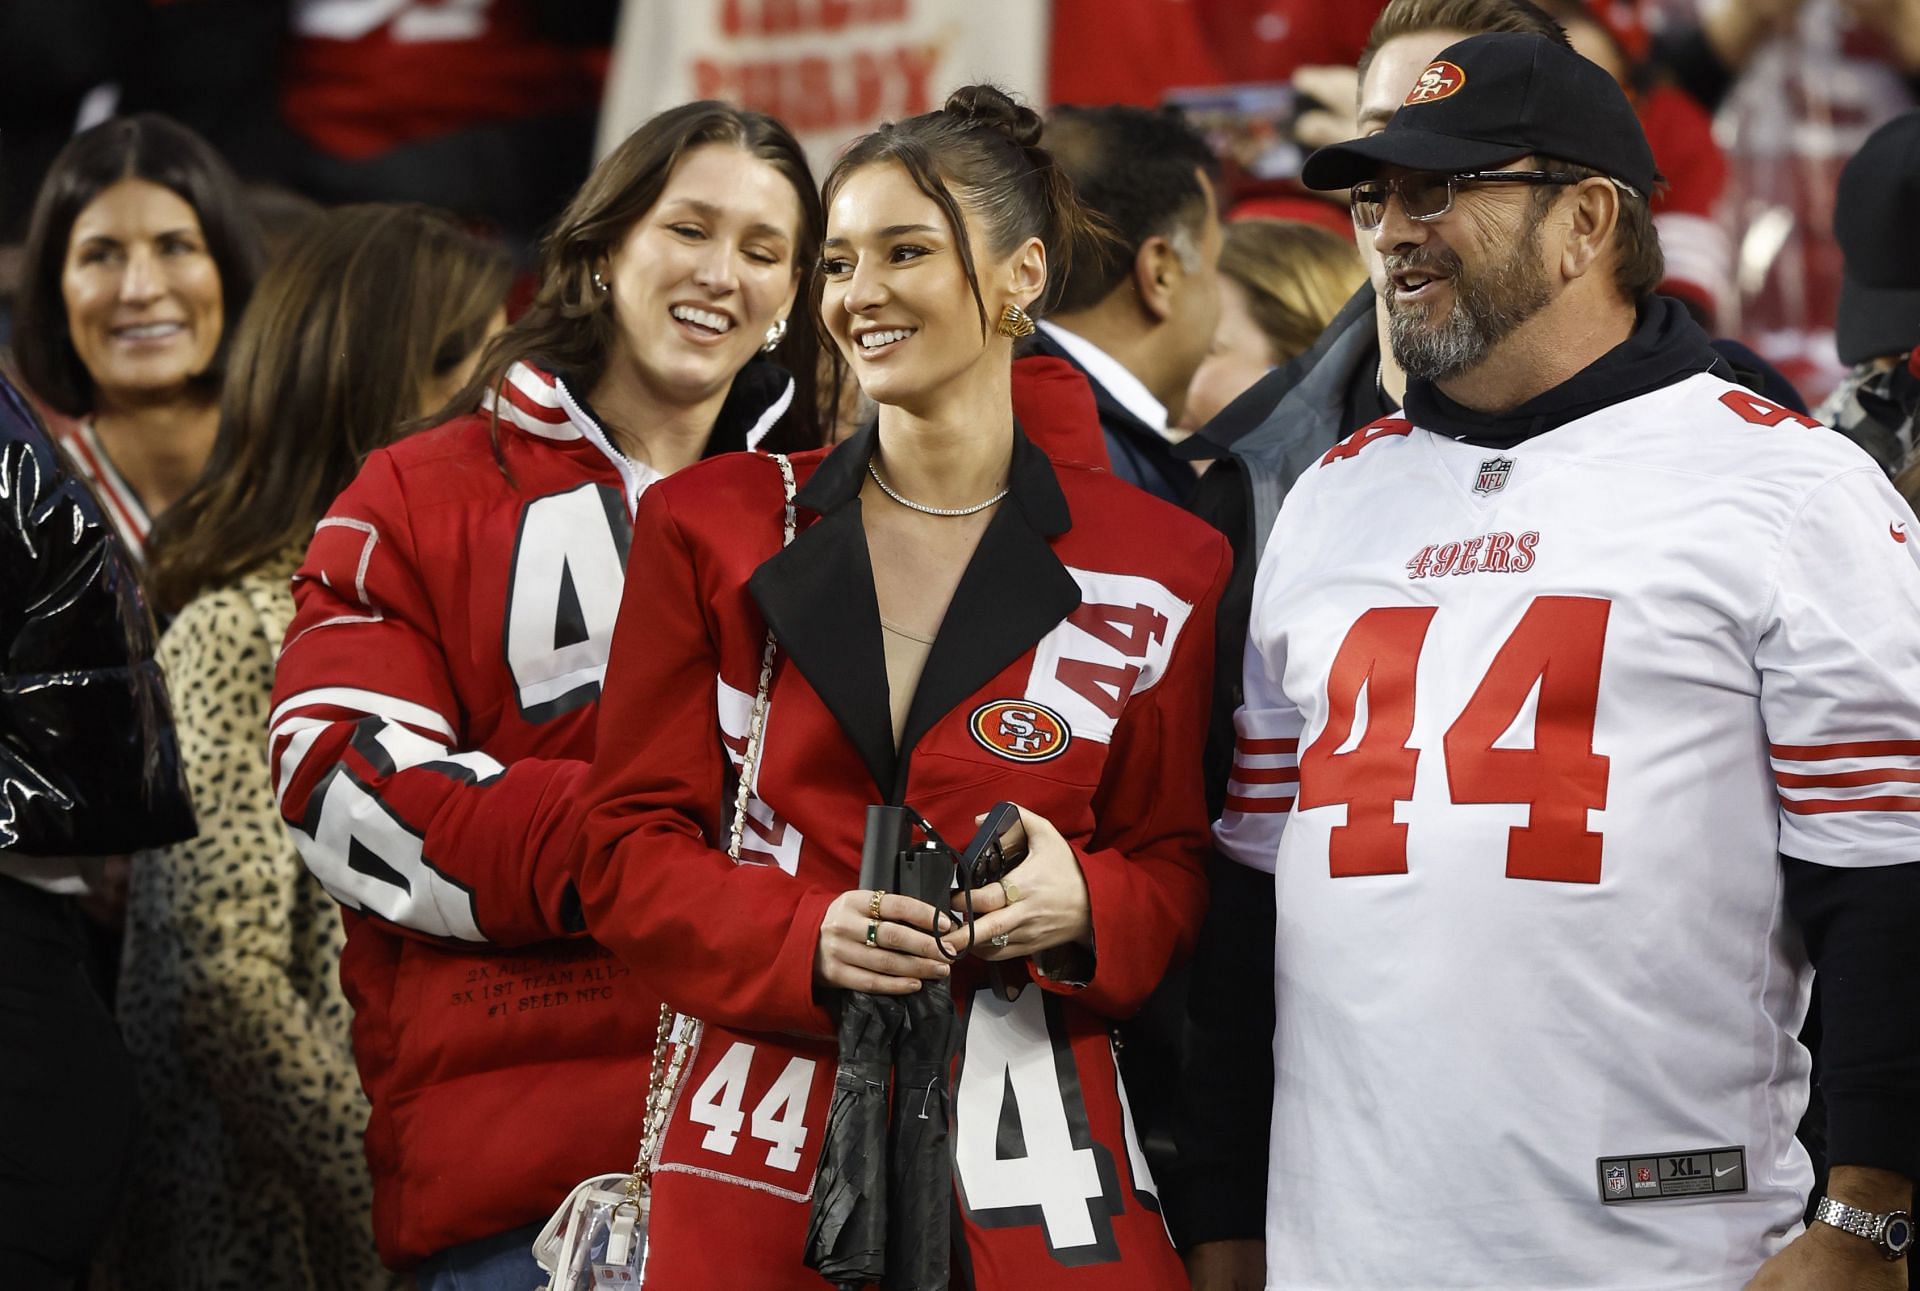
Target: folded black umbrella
point(919, 1169)
point(883, 1197)
point(847, 1233)
point(919, 1163)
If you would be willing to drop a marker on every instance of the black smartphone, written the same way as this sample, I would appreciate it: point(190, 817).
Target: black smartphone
point(998, 845)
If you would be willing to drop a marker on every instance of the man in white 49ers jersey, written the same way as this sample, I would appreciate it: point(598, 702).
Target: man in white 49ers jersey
point(1582, 725)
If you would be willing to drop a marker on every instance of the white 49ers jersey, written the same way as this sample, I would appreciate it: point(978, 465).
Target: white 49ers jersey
point(1525, 734)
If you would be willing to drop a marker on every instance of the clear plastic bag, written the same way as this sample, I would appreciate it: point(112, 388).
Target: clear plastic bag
point(597, 1239)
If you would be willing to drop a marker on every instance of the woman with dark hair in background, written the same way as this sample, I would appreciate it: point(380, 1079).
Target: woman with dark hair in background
point(435, 702)
point(251, 1172)
point(140, 252)
point(959, 621)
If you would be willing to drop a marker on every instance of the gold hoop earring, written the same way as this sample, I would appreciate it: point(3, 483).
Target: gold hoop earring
point(1015, 322)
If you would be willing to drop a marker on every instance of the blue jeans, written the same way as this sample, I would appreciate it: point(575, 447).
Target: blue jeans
point(503, 1262)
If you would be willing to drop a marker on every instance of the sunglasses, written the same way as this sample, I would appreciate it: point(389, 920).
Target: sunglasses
point(1429, 196)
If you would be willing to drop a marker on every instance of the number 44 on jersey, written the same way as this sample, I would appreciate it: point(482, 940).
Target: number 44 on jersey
point(1556, 650)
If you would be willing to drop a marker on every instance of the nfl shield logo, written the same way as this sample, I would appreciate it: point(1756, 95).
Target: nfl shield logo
point(1493, 475)
point(1616, 1181)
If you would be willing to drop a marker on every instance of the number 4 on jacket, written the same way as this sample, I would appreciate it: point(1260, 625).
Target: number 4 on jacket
point(1555, 650)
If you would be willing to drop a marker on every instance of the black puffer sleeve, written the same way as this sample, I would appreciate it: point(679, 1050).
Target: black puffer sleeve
point(88, 761)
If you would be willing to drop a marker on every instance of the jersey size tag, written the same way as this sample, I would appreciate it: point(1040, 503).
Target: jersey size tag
point(1659, 1177)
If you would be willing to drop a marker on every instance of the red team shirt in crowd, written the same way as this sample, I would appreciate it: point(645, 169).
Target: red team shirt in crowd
point(365, 76)
point(1070, 676)
point(434, 708)
point(1525, 734)
point(1103, 52)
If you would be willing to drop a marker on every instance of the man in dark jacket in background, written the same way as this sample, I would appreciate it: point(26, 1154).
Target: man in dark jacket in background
point(1139, 318)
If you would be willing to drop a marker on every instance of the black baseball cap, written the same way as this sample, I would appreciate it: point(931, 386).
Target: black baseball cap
point(1873, 219)
point(1490, 100)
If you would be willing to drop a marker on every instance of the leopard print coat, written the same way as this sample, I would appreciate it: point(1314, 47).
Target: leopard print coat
point(250, 1172)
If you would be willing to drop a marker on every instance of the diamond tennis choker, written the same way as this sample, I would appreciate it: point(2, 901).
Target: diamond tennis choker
point(922, 507)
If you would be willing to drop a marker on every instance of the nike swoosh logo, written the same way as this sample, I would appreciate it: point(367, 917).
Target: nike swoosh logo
point(1899, 532)
point(1721, 1174)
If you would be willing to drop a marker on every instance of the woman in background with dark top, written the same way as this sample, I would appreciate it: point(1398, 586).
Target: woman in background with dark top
point(140, 252)
point(250, 1170)
point(88, 767)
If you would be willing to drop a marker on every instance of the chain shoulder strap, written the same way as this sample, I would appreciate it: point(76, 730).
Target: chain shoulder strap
point(676, 1037)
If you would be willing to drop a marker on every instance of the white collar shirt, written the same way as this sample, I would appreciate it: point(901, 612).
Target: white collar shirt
point(1114, 376)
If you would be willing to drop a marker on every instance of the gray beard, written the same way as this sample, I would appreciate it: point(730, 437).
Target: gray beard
point(1488, 306)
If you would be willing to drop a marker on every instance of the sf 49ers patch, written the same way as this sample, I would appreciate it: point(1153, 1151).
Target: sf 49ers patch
point(1441, 80)
point(1020, 729)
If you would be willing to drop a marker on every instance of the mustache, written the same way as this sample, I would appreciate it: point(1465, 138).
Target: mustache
point(1434, 260)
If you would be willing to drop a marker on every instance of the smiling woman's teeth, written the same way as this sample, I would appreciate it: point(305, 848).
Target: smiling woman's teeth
point(147, 331)
point(705, 318)
point(874, 340)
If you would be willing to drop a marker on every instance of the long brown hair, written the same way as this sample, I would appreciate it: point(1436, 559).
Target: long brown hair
point(569, 329)
point(344, 339)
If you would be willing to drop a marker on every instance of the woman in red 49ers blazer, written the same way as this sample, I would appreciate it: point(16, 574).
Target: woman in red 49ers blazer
point(435, 703)
point(959, 621)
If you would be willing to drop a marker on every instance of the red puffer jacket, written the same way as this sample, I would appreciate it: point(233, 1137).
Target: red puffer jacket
point(433, 712)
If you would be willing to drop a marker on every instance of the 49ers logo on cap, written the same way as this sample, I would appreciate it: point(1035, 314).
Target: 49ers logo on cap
point(1020, 729)
point(1437, 82)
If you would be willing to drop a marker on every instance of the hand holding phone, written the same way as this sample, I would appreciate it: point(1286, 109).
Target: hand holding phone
point(997, 846)
point(1026, 892)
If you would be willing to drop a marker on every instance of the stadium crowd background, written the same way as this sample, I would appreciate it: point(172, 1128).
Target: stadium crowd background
point(1752, 107)
point(492, 112)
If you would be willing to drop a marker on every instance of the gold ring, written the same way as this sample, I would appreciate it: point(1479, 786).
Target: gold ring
point(873, 905)
point(873, 934)
point(1013, 893)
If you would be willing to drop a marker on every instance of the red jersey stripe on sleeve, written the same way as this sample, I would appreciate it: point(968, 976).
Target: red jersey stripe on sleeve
point(1858, 776)
point(1265, 775)
point(1857, 749)
point(1844, 779)
point(1259, 806)
point(1821, 806)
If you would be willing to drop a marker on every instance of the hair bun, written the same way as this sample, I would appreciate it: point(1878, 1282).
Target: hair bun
point(990, 106)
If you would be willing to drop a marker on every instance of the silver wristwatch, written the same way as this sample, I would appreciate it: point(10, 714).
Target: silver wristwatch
point(1892, 1232)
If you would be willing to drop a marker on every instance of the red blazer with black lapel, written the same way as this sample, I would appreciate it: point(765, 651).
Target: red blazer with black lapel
point(1071, 675)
